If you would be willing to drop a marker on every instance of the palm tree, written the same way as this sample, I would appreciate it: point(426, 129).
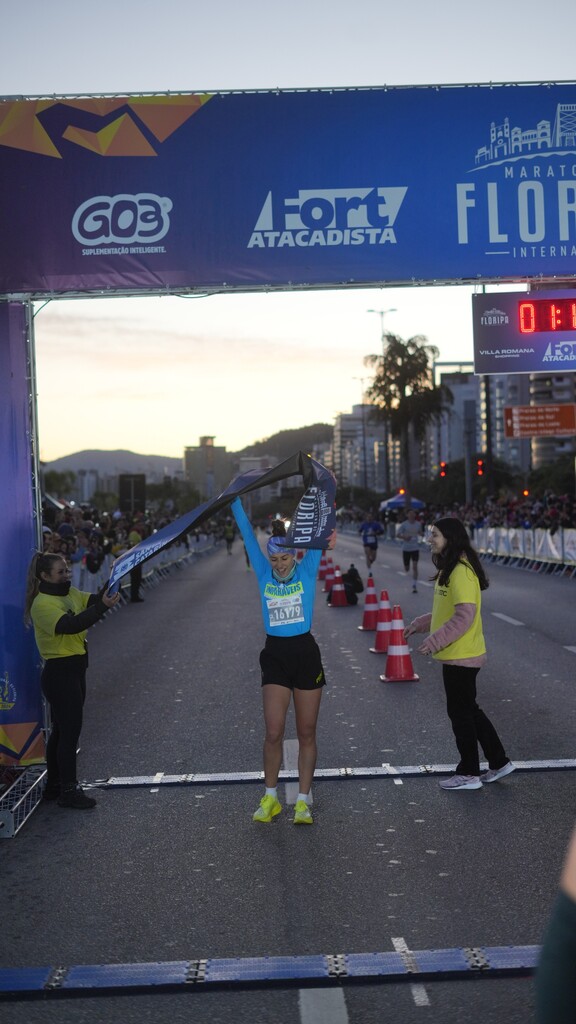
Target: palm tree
point(404, 393)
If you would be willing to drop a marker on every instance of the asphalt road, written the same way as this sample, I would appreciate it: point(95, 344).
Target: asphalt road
point(163, 873)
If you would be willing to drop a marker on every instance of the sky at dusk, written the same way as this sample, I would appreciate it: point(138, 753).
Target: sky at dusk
point(154, 374)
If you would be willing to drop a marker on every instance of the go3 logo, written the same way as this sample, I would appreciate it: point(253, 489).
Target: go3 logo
point(122, 218)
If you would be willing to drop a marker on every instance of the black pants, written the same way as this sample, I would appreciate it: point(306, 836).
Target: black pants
point(64, 686)
point(469, 723)
point(135, 581)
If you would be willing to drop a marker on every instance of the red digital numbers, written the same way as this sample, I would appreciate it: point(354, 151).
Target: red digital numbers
point(541, 315)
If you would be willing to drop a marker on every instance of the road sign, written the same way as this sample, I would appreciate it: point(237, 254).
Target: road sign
point(540, 420)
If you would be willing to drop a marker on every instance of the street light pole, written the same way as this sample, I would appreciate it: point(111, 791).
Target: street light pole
point(382, 313)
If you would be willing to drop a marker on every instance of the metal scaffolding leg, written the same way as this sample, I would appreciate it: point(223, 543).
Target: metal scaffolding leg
point(20, 799)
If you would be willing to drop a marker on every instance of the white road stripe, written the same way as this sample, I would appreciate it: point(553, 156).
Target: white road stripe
point(419, 993)
point(290, 762)
point(506, 618)
point(157, 778)
point(322, 1006)
point(572, 649)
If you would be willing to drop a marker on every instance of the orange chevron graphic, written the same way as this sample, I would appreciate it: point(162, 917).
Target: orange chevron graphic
point(116, 139)
point(162, 115)
point(15, 738)
point(163, 120)
point(20, 129)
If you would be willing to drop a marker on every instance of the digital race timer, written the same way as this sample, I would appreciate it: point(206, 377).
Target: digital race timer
point(525, 332)
point(537, 315)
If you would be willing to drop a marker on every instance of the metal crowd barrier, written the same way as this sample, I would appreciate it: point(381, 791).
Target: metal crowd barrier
point(536, 550)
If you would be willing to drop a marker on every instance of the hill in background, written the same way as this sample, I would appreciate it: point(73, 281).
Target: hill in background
point(110, 463)
point(285, 443)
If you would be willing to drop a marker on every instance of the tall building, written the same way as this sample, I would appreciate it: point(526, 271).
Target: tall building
point(477, 411)
point(501, 390)
point(264, 494)
point(208, 467)
point(356, 439)
point(447, 439)
point(549, 389)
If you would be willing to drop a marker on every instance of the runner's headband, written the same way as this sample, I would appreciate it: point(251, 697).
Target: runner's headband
point(273, 547)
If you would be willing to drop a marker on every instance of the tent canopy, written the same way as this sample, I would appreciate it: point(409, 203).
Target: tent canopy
point(399, 501)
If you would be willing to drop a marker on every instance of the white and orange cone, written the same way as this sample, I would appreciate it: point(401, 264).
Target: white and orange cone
point(370, 617)
point(383, 625)
point(322, 568)
point(399, 667)
point(329, 576)
point(338, 595)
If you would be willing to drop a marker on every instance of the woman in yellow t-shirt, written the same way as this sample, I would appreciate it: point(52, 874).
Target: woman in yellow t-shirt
point(457, 641)
point(61, 615)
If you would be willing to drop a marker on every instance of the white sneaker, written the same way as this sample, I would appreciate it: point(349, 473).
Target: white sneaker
point(493, 774)
point(461, 782)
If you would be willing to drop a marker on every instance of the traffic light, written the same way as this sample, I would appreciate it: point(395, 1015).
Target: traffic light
point(525, 492)
point(401, 490)
point(479, 467)
point(443, 470)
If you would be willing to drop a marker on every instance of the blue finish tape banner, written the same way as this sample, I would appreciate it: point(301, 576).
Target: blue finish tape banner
point(21, 716)
point(288, 189)
point(310, 526)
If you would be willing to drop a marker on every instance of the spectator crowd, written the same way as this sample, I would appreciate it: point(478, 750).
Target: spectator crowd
point(90, 540)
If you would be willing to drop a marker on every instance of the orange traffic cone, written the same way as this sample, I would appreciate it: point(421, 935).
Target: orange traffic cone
point(338, 595)
point(370, 617)
point(329, 577)
point(399, 668)
point(322, 569)
point(383, 625)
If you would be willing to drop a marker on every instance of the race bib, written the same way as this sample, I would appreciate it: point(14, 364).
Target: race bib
point(284, 604)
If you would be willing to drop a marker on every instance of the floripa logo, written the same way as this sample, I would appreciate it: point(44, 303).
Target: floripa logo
point(494, 318)
point(122, 219)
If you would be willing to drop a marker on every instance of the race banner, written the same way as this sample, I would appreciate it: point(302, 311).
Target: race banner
point(310, 527)
point(288, 188)
point(21, 713)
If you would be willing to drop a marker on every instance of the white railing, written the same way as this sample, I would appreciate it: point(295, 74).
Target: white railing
point(537, 549)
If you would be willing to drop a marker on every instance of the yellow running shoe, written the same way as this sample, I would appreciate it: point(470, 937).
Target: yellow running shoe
point(302, 814)
point(269, 807)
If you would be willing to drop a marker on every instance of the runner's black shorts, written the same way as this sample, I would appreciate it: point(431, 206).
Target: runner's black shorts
point(410, 556)
point(292, 661)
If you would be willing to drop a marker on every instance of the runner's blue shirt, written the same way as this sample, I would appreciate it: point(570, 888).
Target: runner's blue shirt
point(287, 608)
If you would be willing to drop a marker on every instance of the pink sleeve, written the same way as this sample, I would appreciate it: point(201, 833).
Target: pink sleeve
point(452, 630)
point(422, 623)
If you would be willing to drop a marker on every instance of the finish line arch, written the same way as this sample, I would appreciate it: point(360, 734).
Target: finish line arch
point(214, 193)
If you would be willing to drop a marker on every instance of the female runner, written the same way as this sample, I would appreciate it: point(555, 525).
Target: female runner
point(290, 661)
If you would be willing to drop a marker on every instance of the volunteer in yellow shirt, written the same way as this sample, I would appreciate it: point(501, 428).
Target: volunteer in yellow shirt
point(457, 641)
point(61, 616)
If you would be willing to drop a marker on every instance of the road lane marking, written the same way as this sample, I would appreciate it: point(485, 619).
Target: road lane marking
point(290, 762)
point(322, 1006)
point(419, 993)
point(572, 649)
point(506, 618)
